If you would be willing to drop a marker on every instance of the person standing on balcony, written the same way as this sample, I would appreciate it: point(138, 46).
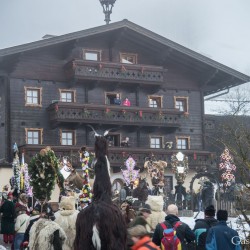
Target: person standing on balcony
point(117, 100)
point(126, 102)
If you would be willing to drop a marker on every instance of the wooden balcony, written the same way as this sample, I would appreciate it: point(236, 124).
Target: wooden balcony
point(203, 161)
point(95, 70)
point(61, 112)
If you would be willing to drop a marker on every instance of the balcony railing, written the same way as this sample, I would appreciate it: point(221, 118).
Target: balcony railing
point(113, 114)
point(147, 74)
point(203, 159)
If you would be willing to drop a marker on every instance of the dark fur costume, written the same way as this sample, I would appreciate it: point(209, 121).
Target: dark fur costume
point(102, 213)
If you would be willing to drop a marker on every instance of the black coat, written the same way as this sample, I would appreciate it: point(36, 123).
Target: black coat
point(200, 229)
point(7, 223)
point(184, 232)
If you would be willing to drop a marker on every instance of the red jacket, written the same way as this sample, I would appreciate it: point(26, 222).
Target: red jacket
point(142, 244)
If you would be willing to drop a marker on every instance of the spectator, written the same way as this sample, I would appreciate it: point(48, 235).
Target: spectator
point(8, 217)
point(22, 204)
point(141, 239)
point(221, 236)
point(141, 218)
point(117, 100)
point(126, 102)
point(183, 231)
point(202, 225)
point(20, 227)
point(35, 215)
point(124, 143)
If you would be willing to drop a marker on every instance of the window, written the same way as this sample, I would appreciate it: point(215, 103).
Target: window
point(183, 142)
point(128, 58)
point(181, 103)
point(92, 55)
point(156, 142)
point(67, 95)
point(33, 96)
point(110, 98)
point(114, 140)
point(34, 135)
point(67, 137)
point(155, 101)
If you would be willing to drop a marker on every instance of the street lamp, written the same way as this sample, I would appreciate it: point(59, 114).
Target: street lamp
point(107, 6)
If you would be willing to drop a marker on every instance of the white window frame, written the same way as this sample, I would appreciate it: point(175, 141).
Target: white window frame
point(30, 136)
point(65, 139)
point(29, 95)
point(155, 144)
point(67, 91)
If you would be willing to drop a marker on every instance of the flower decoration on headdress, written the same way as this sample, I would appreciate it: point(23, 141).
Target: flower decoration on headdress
point(130, 174)
point(227, 167)
point(86, 195)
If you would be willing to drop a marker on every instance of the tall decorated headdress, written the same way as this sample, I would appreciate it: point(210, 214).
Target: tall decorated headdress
point(44, 174)
point(86, 195)
point(130, 175)
point(227, 168)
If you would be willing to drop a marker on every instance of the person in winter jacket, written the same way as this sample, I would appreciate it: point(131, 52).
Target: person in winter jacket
point(221, 236)
point(183, 231)
point(20, 227)
point(142, 241)
point(66, 219)
point(157, 215)
point(8, 216)
point(202, 225)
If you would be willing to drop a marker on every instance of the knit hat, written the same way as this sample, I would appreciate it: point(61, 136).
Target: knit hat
point(137, 231)
point(210, 211)
point(146, 208)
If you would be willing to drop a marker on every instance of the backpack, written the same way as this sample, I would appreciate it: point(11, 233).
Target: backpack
point(170, 241)
point(201, 235)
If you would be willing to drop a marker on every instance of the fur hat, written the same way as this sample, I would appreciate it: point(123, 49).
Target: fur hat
point(210, 210)
point(137, 231)
point(23, 197)
point(67, 203)
point(155, 202)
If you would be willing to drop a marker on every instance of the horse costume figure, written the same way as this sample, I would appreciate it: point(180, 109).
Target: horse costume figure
point(100, 226)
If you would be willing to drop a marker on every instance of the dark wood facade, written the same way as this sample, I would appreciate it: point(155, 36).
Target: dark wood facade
point(163, 70)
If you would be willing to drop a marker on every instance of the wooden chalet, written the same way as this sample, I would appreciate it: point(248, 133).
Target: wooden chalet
point(51, 89)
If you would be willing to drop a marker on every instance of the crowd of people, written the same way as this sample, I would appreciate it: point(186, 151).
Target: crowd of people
point(147, 228)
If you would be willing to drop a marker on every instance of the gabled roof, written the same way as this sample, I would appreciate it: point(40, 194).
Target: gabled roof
point(239, 77)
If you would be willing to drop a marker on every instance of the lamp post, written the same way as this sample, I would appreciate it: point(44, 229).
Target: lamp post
point(107, 6)
point(179, 164)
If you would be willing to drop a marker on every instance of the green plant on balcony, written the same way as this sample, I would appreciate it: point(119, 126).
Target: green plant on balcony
point(161, 116)
point(108, 113)
point(139, 114)
point(86, 112)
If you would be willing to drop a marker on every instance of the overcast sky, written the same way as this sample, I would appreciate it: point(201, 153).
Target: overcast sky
point(218, 29)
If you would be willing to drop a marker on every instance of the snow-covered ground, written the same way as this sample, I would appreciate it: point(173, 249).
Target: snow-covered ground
point(237, 223)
